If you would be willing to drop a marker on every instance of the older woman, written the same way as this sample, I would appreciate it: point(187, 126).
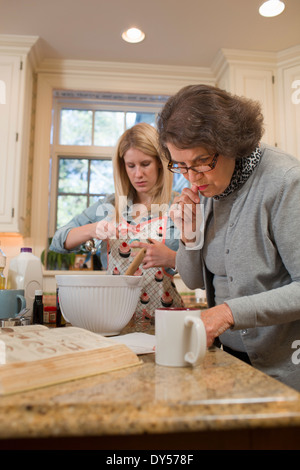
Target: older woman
point(135, 213)
point(249, 257)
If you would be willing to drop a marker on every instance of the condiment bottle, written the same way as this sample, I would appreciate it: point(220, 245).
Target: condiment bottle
point(2, 266)
point(60, 321)
point(38, 308)
point(50, 315)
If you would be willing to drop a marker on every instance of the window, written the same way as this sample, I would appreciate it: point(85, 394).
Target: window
point(85, 130)
point(81, 182)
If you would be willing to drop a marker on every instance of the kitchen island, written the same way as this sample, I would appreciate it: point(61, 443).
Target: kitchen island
point(221, 404)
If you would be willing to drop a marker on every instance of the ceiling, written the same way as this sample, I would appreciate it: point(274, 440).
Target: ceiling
point(178, 32)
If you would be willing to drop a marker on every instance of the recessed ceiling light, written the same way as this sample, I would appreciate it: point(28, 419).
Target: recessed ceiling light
point(271, 8)
point(133, 35)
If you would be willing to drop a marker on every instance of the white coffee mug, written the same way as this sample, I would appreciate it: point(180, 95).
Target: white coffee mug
point(180, 337)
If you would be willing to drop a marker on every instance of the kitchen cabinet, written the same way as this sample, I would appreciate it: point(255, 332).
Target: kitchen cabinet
point(258, 85)
point(274, 80)
point(252, 75)
point(289, 98)
point(292, 109)
point(16, 81)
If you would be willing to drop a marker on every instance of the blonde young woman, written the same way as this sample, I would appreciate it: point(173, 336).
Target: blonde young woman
point(135, 216)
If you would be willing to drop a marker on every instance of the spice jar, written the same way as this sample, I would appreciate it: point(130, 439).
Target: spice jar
point(50, 316)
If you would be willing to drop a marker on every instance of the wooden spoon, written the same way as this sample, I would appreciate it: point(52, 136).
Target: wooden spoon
point(136, 262)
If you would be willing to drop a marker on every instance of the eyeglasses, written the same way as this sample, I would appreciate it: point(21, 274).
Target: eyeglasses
point(201, 168)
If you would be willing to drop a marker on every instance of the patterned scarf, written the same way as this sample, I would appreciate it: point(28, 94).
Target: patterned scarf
point(243, 169)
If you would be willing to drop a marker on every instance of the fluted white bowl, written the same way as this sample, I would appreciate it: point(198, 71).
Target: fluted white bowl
point(100, 303)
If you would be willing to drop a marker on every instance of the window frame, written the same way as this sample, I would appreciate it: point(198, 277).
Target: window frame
point(123, 102)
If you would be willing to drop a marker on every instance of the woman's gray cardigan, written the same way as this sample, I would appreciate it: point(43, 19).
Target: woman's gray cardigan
point(262, 261)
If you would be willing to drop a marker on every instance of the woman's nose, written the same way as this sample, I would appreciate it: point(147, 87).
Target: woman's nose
point(138, 171)
point(193, 176)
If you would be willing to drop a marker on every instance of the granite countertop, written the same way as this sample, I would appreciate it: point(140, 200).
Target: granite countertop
point(221, 394)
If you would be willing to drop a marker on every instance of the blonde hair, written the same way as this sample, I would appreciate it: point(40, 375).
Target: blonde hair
point(142, 137)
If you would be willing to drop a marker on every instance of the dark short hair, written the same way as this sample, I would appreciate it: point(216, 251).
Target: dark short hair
point(208, 117)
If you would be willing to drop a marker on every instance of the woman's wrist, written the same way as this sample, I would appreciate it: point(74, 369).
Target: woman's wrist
point(171, 264)
point(228, 315)
point(79, 235)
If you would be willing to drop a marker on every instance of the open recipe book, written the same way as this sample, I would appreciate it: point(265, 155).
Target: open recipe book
point(35, 356)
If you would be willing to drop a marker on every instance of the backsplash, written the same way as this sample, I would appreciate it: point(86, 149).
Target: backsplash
point(10, 244)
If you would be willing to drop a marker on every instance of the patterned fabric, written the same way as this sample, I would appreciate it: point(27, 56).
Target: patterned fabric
point(158, 289)
point(243, 169)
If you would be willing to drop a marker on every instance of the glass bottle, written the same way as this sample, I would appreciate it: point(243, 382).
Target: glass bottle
point(2, 266)
point(60, 321)
point(2, 279)
point(38, 308)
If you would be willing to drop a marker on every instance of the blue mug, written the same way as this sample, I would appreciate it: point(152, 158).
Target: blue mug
point(12, 301)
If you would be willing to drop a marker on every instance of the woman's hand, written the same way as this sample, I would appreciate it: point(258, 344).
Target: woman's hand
point(216, 320)
point(187, 216)
point(106, 229)
point(157, 254)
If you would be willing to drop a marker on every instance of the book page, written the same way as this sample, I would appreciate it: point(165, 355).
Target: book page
point(139, 343)
point(39, 342)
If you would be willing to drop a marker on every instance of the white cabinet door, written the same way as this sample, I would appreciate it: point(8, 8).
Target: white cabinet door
point(259, 85)
point(10, 84)
point(290, 121)
point(251, 74)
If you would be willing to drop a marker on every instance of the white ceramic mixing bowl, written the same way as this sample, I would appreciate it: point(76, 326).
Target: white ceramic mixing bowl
point(100, 303)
